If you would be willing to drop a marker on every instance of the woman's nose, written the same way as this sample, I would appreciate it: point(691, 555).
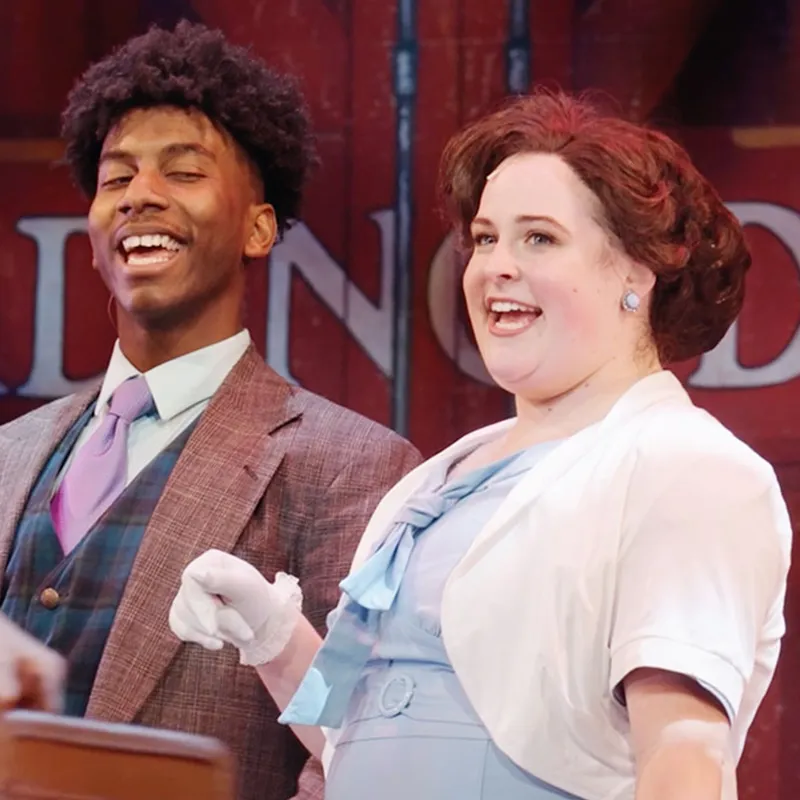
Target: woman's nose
point(501, 264)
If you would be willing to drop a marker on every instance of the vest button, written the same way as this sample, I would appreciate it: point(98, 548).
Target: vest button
point(49, 598)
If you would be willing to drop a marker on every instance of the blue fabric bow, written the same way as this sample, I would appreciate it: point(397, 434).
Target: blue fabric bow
point(324, 693)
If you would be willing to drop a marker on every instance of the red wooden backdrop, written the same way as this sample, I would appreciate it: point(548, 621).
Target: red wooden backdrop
point(725, 77)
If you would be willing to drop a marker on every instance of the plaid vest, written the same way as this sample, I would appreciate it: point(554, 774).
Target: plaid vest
point(70, 603)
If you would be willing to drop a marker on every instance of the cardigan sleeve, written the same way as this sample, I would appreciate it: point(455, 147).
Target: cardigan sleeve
point(702, 569)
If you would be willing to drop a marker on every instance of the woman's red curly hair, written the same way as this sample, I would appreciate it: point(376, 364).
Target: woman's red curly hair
point(655, 204)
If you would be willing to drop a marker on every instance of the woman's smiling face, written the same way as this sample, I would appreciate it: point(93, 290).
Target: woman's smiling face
point(544, 283)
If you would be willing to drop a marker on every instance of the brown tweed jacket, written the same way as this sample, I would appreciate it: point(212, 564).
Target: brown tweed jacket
point(276, 475)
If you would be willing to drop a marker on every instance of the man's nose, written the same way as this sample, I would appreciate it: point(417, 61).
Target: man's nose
point(144, 191)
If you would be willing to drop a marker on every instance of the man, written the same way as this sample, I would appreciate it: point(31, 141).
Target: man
point(194, 155)
point(31, 675)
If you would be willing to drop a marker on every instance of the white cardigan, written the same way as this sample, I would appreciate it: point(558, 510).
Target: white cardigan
point(653, 538)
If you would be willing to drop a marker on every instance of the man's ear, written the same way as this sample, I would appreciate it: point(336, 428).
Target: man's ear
point(263, 232)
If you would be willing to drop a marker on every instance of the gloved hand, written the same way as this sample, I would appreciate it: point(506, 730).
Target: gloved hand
point(224, 599)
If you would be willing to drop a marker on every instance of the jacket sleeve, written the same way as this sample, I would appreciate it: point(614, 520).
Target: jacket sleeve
point(326, 549)
point(311, 785)
point(702, 574)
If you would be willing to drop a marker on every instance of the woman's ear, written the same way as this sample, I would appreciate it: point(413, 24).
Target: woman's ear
point(640, 279)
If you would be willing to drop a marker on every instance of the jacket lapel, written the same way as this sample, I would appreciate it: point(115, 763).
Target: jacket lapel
point(25, 446)
point(527, 491)
point(209, 498)
point(662, 386)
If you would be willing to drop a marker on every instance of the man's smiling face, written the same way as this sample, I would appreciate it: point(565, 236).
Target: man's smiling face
point(174, 217)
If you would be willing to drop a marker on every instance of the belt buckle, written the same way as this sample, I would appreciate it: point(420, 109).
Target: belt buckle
point(393, 708)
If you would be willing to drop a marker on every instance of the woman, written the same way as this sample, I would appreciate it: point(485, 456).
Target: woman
point(583, 601)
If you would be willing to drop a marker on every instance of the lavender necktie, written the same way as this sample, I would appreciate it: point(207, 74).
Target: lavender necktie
point(98, 472)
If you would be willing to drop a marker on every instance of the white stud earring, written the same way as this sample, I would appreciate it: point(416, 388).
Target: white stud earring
point(631, 301)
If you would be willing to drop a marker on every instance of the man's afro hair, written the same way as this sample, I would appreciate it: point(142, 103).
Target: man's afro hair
point(193, 67)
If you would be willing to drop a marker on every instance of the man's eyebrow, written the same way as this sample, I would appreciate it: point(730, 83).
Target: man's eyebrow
point(115, 155)
point(180, 148)
point(170, 151)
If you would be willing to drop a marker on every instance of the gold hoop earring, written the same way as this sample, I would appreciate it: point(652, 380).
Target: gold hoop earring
point(110, 311)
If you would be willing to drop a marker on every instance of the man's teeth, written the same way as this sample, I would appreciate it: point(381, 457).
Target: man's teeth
point(156, 240)
point(158, 257)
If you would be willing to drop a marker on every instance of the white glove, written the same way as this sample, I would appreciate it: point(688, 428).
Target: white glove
point(224, 599)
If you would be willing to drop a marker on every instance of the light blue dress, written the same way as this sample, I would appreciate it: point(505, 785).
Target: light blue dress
point(409, 732)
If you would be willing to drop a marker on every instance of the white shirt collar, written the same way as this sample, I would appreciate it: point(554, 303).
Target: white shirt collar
point(181, 383)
